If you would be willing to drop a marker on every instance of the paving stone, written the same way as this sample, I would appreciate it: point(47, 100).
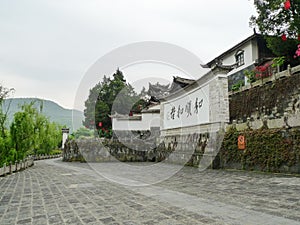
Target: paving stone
point(54, 192)
point(24, 221)
point(107, 220)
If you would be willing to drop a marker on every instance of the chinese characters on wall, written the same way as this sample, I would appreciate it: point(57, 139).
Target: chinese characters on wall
point(186, 109)
point(189, 109)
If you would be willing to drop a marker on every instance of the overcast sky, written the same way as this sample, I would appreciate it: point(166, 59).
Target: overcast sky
point(46, 46)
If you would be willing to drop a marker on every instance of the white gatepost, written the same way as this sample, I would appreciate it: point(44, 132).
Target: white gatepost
point(65, 133)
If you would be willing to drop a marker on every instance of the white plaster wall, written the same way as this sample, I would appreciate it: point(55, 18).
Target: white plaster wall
point(148, 120)
point(250, 55)
point(217, 111)
point(254, 51)
point(151, 119)
point(180, 104)
point(64, 139)
point(247, 48)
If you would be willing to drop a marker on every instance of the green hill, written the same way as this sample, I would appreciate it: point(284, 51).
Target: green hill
point(71, 118)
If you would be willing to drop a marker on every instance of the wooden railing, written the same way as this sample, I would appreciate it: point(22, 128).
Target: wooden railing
point(17, 166)
point(23, 164)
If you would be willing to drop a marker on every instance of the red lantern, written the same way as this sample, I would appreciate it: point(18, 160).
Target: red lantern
point(283, 37)
point(287, 5)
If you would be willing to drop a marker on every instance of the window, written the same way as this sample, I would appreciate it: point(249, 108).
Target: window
point(239, 58)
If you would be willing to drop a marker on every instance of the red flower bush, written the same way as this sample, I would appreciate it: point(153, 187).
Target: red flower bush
point(263, 71)
point(287, 5)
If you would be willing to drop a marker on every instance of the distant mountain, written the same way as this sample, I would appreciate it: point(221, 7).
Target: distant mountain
point(71, 118)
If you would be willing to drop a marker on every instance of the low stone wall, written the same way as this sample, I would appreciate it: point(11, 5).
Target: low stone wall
point(101, 150)
point(185, 150)
point(188, 149)
point(286, 121)
point(271, 150)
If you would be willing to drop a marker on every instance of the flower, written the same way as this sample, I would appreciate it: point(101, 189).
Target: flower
point(283, 37)
point(297, 53)
point(287, 5)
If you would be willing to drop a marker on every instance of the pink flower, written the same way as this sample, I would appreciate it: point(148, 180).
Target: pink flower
point(297, 53)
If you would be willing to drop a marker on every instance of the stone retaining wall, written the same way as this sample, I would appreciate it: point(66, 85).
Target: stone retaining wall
point(101, 150)
point(185, 150)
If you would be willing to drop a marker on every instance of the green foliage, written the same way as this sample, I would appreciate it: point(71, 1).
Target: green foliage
point(81, 132)
point(107, 98)
point(7, 154)
point(55, 152)
point(52, 152)
point(32, 133)
point(4, 93)
point(22, 131)
point(237, 85)
point(250, 75)
point(139, 105)
point(107, 133)
point(283, 48)
point(266, 150)
point(278, 61)
point(273, 21)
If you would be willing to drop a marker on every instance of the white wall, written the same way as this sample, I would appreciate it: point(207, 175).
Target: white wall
point(64, 139)
point(151, 119)
point(215, 111)
point(181, 105)
point(147, 121)
point(247, 48)
point(250, 55)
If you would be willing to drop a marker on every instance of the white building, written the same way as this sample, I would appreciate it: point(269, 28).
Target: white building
point(147, 120)
point(244, 56)
point(231, 64)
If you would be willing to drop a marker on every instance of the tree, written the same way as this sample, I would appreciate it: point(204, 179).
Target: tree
point(22, 131)
point(49, 137)
point(33, 133)
point(107, 98)
point(7, 154)
point(4, 93)
point(279, 21)
point(81, 132)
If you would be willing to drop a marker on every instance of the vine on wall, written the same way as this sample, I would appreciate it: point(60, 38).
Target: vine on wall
point(272, 150)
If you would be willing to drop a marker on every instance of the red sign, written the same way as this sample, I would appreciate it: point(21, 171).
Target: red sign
point(241, 142)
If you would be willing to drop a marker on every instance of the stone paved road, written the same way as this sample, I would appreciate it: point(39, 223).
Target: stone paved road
point(53, 192)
